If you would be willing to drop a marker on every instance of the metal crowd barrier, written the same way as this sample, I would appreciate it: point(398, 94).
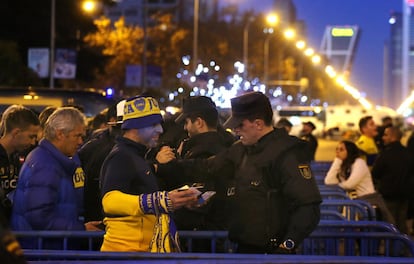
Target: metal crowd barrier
point(336, 195)
point(323, 187)
point(332, 215)
point(89, 257)
point(358, 244)
point(320, 167)
point(356, 226)
point(351, 209)
point(365, 238)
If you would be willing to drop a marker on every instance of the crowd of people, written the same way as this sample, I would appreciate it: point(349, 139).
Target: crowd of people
point(142, 177)
point(142, 180)
point(377, 168)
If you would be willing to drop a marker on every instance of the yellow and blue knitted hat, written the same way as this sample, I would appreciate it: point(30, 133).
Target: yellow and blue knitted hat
point(140, 112)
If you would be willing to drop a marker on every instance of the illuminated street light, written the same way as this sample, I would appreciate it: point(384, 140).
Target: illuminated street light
point(316, 59)
point(309, 52)
point(272, 20)
point(195, 34)
point(301, 44)
point(89, 6)
point(289, 33)
point(246, 47)
point(52, 44)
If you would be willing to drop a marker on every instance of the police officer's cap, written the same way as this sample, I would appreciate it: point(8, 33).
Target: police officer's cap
point(247, 105)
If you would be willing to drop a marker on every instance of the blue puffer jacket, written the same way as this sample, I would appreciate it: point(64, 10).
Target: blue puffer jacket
point(49, 193)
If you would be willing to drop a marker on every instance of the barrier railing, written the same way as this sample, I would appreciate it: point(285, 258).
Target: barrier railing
point(351, 209)
point(349, 226)
point(334, 195)
point(363, 238)
point(332, 215)
point(358, 244)
point(89, 257)
point(335, 187)
point(320, 166)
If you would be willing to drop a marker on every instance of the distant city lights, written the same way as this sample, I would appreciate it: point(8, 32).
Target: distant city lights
point(204, 80)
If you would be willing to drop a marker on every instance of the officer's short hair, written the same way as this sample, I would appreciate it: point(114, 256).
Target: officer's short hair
point(17, 116)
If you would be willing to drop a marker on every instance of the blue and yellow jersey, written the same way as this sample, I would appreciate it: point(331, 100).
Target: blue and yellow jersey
point(368, 145)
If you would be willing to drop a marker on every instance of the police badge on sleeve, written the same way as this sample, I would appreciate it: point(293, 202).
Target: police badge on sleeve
point(305, 171)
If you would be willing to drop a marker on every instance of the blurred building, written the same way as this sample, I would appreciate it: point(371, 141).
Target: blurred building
point(207, 9)
point(134, 10)
point(393, 62)
point(399, 56)
point(183, 10)
point(286, 11)
point(407, 61)
point(338, 46)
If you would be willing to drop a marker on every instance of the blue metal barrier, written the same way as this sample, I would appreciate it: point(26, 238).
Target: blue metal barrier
point(352, 226)
point(336, 195)
point(320, 166)
point(333, 187)
point(358, 244)
point(332, 215)
point(91, 257)
point(40, 236)
point(364, 238)
point(352, 209)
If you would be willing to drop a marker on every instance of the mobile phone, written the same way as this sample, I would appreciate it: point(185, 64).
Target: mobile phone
point(205, 196)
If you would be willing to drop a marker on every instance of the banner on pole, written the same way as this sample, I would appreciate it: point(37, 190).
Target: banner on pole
point(38, 61)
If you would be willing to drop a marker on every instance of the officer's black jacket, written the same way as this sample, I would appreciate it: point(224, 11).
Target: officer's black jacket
point(273, 195)
point(201, 146)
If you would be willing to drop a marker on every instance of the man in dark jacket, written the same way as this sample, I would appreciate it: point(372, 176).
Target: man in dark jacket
point(393, 173)
point(273, 197)
point(18, 133)
point(311, 140)
point(205, 139)
point(92, 155)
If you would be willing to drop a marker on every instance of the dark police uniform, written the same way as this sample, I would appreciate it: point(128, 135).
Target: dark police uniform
point(9, 172)
point(273, 195)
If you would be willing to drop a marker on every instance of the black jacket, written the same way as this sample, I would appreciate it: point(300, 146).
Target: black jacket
point(92, 156)
point(272, 192)
point(212, 215)
point(393, 172)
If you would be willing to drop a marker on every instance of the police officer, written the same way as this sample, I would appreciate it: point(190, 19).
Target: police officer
point(18, 132)
point(274, 200)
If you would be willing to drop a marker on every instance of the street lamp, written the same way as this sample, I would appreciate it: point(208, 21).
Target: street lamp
point(272, 20)
point(246, 47)
point(89, 6)
point(145, 44)
point(195, 34)
point(268, 32)
point(52, 44)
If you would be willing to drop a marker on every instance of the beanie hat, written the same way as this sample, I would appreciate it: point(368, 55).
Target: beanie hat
point(140, 112)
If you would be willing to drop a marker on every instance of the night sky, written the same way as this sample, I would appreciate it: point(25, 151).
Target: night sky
point(370, 15)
